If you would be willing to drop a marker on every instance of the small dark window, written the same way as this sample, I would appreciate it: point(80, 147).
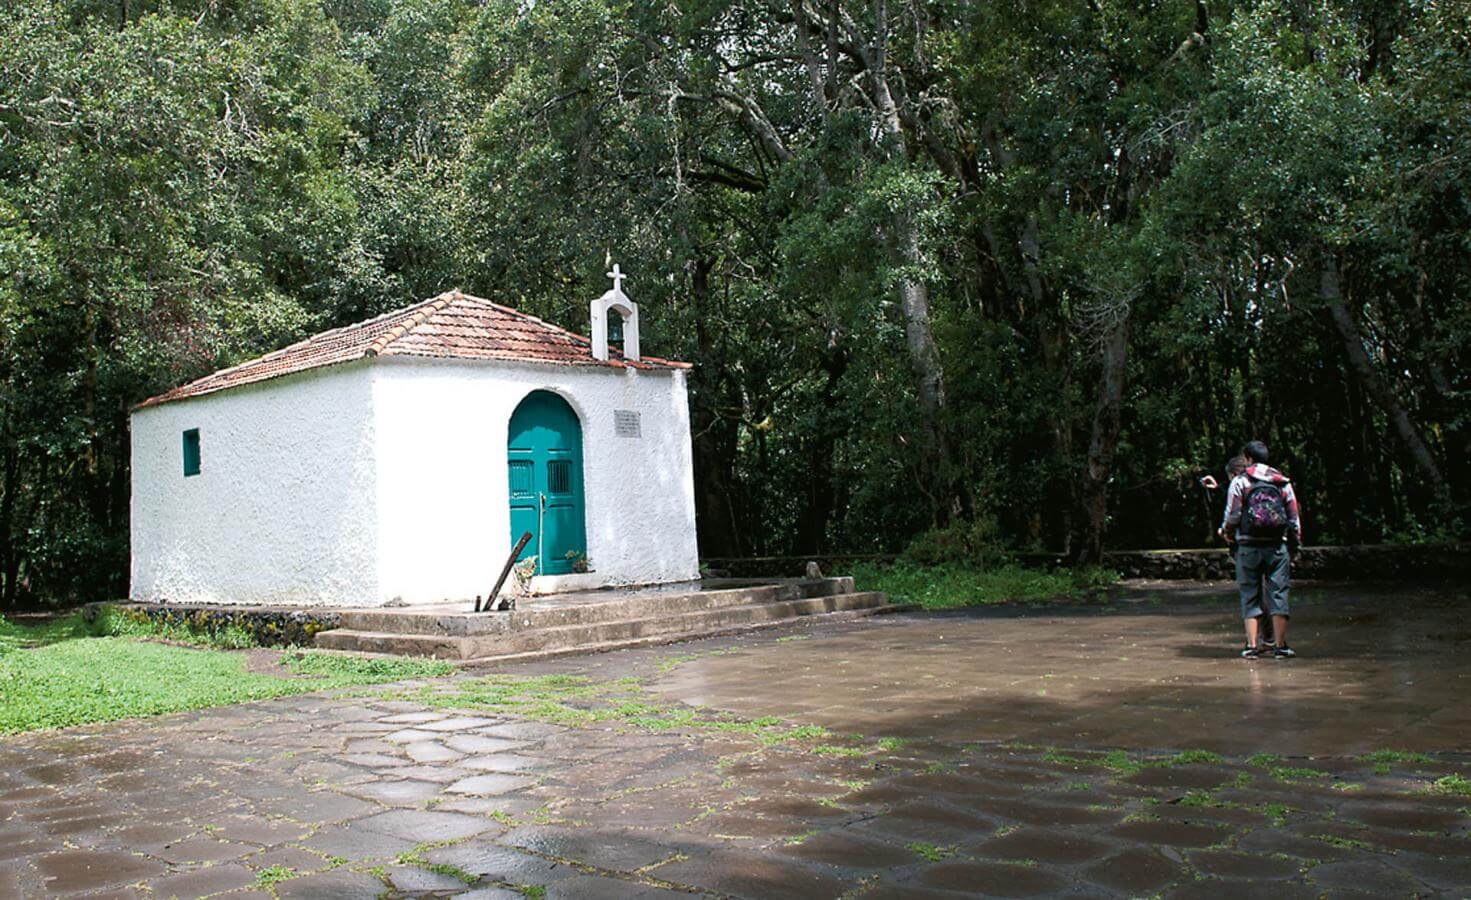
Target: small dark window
point(559, 477)
point(191, 452)
point(521, 473)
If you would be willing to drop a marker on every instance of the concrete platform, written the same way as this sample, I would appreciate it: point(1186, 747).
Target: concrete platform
point(589, 621)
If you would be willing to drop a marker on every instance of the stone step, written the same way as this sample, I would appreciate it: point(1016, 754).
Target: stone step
point(677, 637)
point(434, 646)
point(592, 636)
point(701, 620)
point(536, 614)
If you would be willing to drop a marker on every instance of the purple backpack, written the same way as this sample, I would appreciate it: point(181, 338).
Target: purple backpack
point(1264, 509)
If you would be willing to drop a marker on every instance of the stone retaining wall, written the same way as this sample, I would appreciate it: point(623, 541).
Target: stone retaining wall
point(1354, 563)
point(1367, 561)
point(268, 626)
point(786, 566)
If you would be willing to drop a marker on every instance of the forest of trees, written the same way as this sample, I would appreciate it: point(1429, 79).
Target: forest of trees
point(978, 274)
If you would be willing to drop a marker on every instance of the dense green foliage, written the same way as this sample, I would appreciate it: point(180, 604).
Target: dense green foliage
point(953, 585)
point(61, 674)
point(1024, 268)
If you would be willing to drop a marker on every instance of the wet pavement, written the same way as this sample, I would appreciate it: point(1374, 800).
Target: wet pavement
point(1111, 751)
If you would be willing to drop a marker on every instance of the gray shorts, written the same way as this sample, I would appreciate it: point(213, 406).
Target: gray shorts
point(1263, 575)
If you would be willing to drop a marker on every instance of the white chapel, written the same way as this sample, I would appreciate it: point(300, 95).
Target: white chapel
point(398, 460)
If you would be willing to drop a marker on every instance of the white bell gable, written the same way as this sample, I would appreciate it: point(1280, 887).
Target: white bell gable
point(614, 299)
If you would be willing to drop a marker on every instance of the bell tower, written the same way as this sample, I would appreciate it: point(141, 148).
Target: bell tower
point(618, 302)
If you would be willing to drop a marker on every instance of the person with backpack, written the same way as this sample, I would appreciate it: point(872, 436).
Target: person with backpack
point(1263, 522)
point(1266, 639)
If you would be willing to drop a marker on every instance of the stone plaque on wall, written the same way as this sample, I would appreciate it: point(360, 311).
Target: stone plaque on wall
point(625, 423)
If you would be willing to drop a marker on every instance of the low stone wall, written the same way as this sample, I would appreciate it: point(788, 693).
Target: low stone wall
point(786, 566)
point(268, 626)
point(1367, 561)
point(1363, 562)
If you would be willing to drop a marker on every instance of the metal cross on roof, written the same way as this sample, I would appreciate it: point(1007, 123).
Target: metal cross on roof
point(617, 276)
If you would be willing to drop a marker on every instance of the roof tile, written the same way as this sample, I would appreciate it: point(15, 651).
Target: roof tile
point(450, 326)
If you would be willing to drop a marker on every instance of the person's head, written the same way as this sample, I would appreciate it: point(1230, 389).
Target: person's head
point(1235, 466)
point(1256, 452)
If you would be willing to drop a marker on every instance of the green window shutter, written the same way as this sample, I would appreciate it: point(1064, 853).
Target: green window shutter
point(191, 452)
point(521, 478)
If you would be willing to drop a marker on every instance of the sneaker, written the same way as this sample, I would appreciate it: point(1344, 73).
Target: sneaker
point(1283, 652)
point(1267, 644)
point(1250, 652)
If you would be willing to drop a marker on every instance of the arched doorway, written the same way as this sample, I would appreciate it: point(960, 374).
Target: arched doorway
point(544, 456)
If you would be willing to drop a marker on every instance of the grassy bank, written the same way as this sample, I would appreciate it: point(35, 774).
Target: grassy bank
point(72, 671)
point(950, 586)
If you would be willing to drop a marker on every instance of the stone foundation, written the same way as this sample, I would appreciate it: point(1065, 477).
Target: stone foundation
point(268, 626)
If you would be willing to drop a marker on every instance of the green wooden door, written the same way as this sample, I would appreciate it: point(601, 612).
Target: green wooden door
point(544, 455)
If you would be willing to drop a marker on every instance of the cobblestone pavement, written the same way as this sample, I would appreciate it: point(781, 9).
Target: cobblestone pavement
point(1094, 752)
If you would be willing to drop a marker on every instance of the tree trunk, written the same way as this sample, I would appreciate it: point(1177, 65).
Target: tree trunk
point(820, 498)
point(1378, 389)
point(919, 338)
point(9, 557)
point(714, 435)
point(1102, 444)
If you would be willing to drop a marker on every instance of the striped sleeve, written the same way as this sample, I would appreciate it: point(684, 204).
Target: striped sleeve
point(1294, 516)
point(1233, 506)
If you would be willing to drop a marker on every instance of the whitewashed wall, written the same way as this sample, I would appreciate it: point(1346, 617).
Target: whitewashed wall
point(282, 510)
point(443, 506)
point(361, 484)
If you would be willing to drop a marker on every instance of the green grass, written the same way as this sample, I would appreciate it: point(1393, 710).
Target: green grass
point(952, 586)
point(273, 875)
point(1192, 757)
point(416, 858)
point(1344, 843)
point(58, 675)
point(929, 851)
point(577, 701)
point(333, 670)
point(1121, 763)
point(1057, 757)
point(1292, 773)
point(1453, 784)
point(17, 637)
point(1116, 761)
point(1382, 758)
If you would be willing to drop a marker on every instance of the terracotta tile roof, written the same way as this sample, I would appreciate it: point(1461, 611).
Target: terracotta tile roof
point(450, 326)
